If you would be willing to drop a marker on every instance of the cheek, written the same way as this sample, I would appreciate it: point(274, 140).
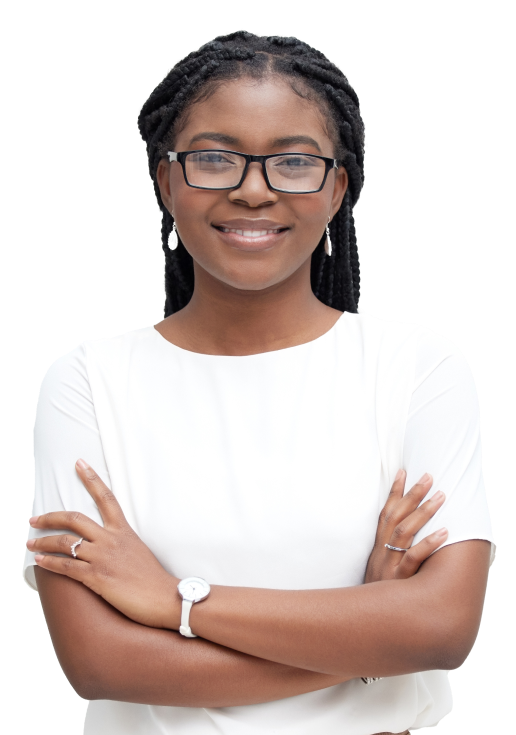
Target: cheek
point(192, 209)
point(311, 213)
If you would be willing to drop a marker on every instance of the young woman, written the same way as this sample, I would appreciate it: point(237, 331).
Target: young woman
point(252, 439)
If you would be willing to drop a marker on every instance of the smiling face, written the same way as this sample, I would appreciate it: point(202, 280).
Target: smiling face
point(252, 238)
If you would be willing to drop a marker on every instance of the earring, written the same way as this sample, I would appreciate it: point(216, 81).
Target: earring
point(172, 238)
point(327, 242)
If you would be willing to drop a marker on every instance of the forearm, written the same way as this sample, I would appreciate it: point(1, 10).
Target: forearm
point(161, 667)
point(387, 628)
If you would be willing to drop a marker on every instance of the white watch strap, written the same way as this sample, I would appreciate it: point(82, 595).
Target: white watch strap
point(184, 628)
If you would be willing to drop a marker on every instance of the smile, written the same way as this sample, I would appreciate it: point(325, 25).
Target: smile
point(251, 233)
point(251, 240)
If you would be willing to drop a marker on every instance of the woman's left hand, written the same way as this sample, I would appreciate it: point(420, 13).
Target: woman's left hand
point(111, 560)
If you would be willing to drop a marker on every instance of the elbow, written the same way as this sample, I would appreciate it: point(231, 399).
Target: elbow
point(80, 685)
point(459, 658)
point(452, 645)
point(447, 658)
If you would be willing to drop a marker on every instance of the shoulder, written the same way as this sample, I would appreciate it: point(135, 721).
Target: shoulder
point(425, 342)
point(69, 375)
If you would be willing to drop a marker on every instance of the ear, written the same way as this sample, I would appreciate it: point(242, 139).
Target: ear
point(339, 189)
point(163, 179)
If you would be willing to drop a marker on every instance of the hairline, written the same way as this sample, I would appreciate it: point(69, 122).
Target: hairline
point(211, 86)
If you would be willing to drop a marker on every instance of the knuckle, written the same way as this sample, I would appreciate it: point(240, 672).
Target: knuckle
point(427, 508)
point(106, 496)
point(390, 515)
point(91, 475)
point(63, 542)
point(400, 530)
point(102, 572)
point(410, 557)
point(67, 565)
point(73, 517)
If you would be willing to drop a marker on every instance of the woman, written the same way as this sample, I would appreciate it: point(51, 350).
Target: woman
point(253, 437)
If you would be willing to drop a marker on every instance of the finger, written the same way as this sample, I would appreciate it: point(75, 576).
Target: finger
point(60, 545)
point(394, 497)
point(407, 504)
point(396, 491)
point(68, 520)
point(414, 557)
point(404, 533)
point(106, 502)
point(66, 566)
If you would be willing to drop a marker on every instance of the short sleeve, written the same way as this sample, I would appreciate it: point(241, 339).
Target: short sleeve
point(66, 429)
point(442, 437)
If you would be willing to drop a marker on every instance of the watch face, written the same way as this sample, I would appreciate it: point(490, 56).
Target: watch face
point(193, 589)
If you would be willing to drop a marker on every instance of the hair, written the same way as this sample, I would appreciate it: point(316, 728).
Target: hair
point(335, 279)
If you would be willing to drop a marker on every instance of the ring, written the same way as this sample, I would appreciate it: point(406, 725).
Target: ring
point(387, 546)
point(74, 546)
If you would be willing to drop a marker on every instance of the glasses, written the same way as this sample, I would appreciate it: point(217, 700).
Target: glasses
point(291, 173)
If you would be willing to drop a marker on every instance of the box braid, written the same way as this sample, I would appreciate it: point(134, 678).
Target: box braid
point(335, 279)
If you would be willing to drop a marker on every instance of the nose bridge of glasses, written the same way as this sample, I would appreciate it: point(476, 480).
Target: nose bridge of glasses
point(254, 166)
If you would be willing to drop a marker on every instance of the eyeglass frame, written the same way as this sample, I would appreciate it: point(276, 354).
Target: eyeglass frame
point(180, 157)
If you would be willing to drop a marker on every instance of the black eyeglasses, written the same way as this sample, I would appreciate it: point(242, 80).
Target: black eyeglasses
point(291, 173)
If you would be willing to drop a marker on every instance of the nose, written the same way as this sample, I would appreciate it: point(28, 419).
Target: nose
point(253, 191)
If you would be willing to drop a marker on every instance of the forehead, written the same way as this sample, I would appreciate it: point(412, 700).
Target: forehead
point(256, 114)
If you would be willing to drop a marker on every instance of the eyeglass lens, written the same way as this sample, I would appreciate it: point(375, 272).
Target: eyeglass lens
point(223, 170)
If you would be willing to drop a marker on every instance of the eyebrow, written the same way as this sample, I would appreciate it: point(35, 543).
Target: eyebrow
point(296, 139)
point(218, 137)
point(276, 143)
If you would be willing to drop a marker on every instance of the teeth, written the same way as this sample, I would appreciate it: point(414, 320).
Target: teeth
point(251, 233)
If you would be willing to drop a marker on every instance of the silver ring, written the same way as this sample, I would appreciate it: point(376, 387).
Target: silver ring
point(387, 546)
point(74, 546)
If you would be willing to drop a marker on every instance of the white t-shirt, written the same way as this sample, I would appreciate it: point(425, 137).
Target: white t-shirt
point(267, 470)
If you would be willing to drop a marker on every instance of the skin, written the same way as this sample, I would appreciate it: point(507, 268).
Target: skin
point(246, 303)
point(250, 302)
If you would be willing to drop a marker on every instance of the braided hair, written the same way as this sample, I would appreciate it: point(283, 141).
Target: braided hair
point(335, 279)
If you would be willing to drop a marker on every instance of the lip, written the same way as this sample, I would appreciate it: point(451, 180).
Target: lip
point(254, 243)
point(248, 223)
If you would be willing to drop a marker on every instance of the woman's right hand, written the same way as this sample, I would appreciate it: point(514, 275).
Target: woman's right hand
point(401, 518)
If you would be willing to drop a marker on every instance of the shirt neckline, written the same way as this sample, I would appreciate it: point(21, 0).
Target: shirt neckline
point(282, 350)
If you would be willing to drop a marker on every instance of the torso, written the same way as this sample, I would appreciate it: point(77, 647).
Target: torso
point(176, 330)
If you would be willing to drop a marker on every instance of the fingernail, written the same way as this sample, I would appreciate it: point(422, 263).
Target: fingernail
point(438, 496)
point(399, 475)
point(33, 520)
point(30, 543)
point(38, 558)
point(82, 464)
point(424, 479)
point(441, 533)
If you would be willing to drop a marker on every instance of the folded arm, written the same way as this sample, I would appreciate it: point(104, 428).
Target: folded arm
point(107, 656)
point(386, 628)
point(261, 645)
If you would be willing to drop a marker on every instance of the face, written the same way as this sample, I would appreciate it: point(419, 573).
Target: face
point(256, 117)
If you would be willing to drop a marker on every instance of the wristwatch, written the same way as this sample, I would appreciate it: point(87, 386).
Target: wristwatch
point(191, 589)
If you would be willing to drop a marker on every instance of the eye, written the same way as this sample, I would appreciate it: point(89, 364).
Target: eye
point(213, 158)
point(295, 162)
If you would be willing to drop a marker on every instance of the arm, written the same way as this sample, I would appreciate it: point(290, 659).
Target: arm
point(107, 656)
point(387, 628)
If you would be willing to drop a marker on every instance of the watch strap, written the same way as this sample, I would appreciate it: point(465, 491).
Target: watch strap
point(184, 628)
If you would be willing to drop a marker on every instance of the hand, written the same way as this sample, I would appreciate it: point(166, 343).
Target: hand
point(401, 518)
point(111, 560)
